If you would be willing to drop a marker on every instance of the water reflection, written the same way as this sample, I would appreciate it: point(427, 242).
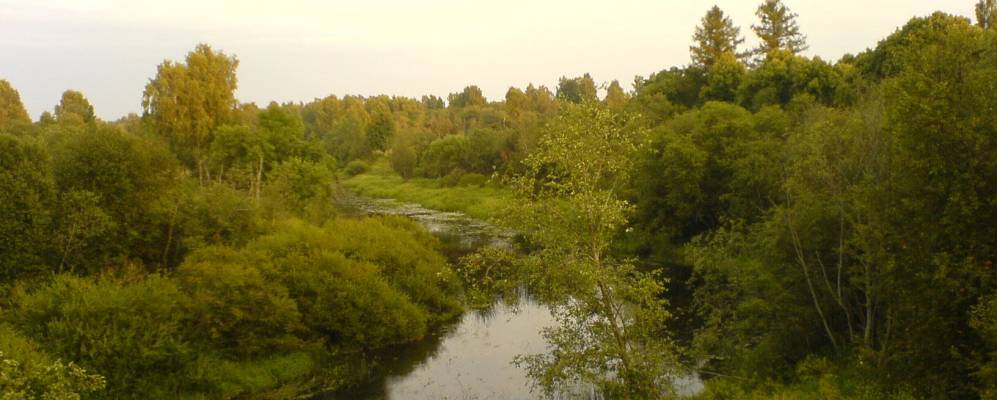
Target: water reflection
point(470, 358)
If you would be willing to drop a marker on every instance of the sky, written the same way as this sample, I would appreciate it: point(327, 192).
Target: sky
point(299, 50)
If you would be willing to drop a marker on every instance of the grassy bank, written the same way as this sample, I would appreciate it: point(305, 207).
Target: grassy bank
point(380, 181)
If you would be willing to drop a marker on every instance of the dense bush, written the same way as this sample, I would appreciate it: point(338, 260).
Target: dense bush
point(453, 177)
point(299, 187)
point(356, 167)
point(25, 203)
point(131, 329)
point(28, 373)
point(235, 307)
point(444, 155)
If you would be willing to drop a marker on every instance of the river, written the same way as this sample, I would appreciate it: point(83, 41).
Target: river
point(473, 357)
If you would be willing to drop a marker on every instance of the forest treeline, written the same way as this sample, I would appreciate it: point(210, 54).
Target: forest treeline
point(836, 222)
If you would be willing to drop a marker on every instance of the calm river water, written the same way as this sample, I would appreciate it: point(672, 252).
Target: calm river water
point(471, 358)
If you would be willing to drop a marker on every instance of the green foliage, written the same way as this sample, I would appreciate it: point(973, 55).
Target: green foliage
point(668, 92)
point(74, 109)
point(777, 30)
point(986, 12)
point(128, 329)
point(356, 167)
point(490, 273)
point(470, 97)
point(715, 36)
point(472, 179)
point(28, 373)
point(25, 203)
point(381, 128)
point(236, 307)
point(577, 90)
point(609, 315)
point(56, 381)
point(783, 76)
point(127, 178)
point(186, 102)
point(616, 99)
point(453, 177)
point(12, 112)
point(984, 322)
point(477, 202)
point(199, 216)
point(723, 78)
point(403, 160)
point(819, 379)
point(444, 155)
point(300, 187)
point(384, 281)
point(79, 225)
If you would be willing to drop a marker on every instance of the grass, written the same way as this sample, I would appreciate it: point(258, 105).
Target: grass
point(380, 181)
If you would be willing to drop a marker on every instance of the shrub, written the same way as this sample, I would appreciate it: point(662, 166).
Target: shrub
point(473, 179)
point(28, 373)
point(453, 178)
point(300, 188)
point(235, 308)
point(403, 160)
point(356, 167)
point(347, 300)
point(130, 330)
point(444, 155)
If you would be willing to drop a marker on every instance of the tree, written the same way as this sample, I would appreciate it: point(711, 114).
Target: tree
point(610, 316)
point(80, 221)
point(240, 153)
point(715, 36)
point(615, 99)
point(777, 30)
point(577, 90)
point(516, 102)
point(986, 12)
point(26, 204)
point(471, 96)
point(186, 102)
point(129, 178)
point(11, 109)
point(723, 78)
point(382, 125)
point(74, 109)
point(56, 381)
point(433, 103)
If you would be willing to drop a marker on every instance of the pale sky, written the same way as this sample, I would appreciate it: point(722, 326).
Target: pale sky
point(299, 50)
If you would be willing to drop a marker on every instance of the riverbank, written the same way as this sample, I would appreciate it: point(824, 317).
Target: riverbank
point(380, 181)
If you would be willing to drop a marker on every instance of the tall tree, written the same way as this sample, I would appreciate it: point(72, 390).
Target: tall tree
point(74, 108)
point(777, 29)
point(25, 203)
point(715, 36)
point(470, 96)
point(577, 90)
point(986, 12)
point(616, 98)
point(186, 102)
point(11, 109)
point(609, 314)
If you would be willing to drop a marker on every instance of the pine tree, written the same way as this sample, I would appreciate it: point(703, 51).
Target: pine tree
point(715, 36)
point(778, 30)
